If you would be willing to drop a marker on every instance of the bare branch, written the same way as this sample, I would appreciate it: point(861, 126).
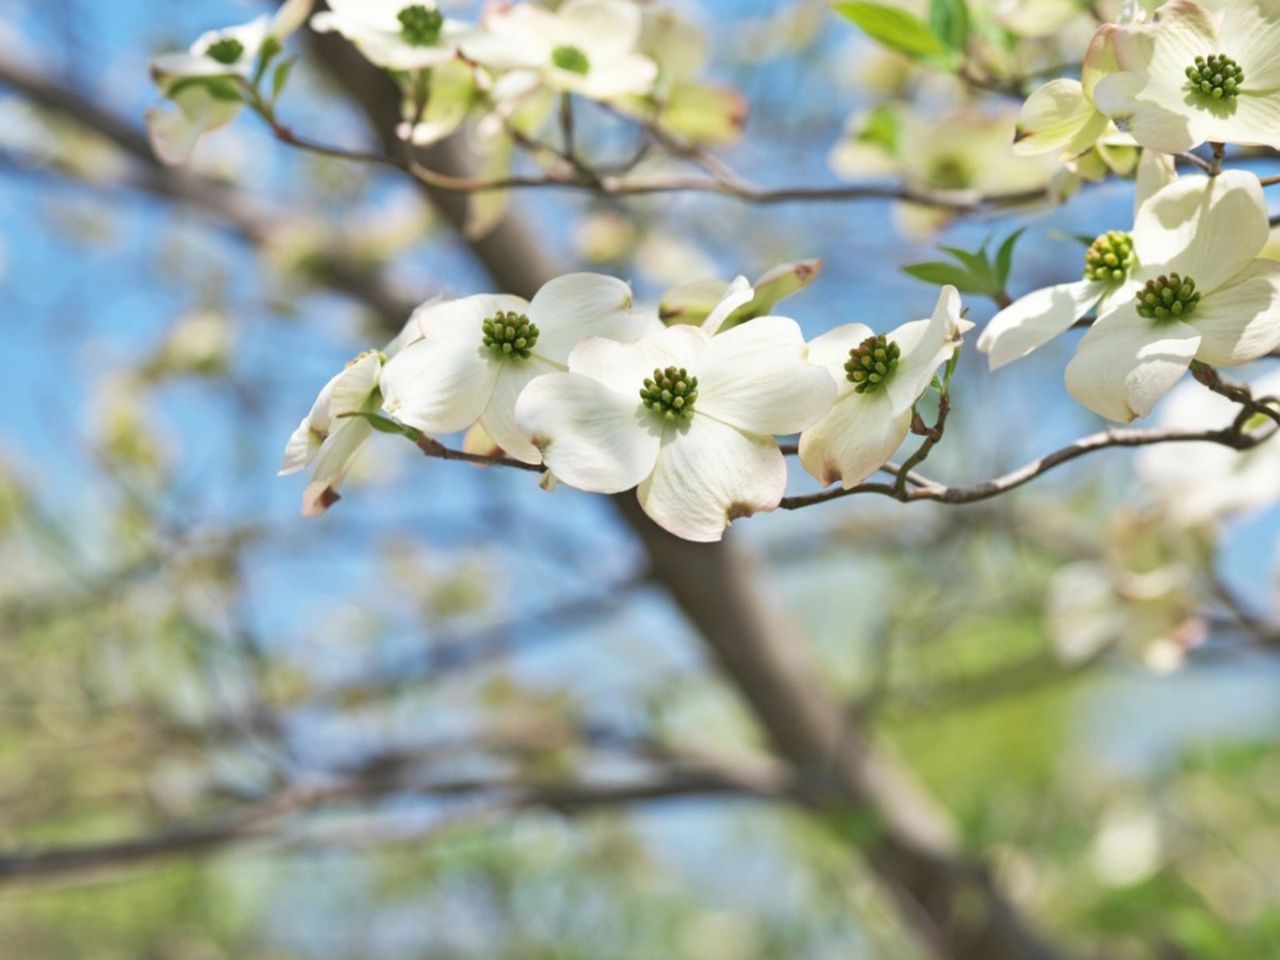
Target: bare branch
point(268, 821)
point(248, 218)
point(1104, 440)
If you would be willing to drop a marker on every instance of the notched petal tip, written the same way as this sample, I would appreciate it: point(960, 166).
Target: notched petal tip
point(318, 499)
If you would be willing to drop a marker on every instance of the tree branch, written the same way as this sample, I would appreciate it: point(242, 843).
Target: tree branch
point(1106, 439)
point(268, 821)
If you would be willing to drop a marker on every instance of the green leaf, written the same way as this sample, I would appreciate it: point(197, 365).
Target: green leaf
point(281, 77)
point(943, 273)
point(976, 263)
point(895, 28)
point(949, 21)
point(1004, 257)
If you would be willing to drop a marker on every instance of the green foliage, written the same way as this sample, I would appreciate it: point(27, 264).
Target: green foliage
point(974, 271)
point(949, 20)
point(904, 32)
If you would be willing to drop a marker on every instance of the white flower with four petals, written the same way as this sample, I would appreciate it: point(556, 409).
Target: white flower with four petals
point(686, 417)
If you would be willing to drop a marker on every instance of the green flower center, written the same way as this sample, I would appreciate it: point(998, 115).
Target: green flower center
point(510, 334)
point(1168, 297)
point(670, 393)
point(871, 363)
point(950, 173)
point(1110, 257)
point(228, 50)
point(420, 25)
point(571, 59)
point(1216, 76)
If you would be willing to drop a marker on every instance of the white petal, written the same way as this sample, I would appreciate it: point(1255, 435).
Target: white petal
point(1251, 118)
point(1240, 321)
point(290, 16)
point(925, 345)
point(336, 456)
point(1032, 321)
point(174, 133)
point(709, 474)
point(1126, 363)
point(855, 439)
point(831, 350)
point(757, 377)
point(603, 29)
point(304, 443)
point(173, 137)
point(1250, 35)
point(443, 382)
point(1155, 110)
point(374, 14)
point(591, 437)
point(624, 366)
point(575, 306)
point(499, 417)
point(410, 333)
point(353, 387)
point(1201, 227)
point(1058, 117)
point(630, 75)
point(1155, 172)
point(1180, 31)
point(521, 35)
point(737, 293)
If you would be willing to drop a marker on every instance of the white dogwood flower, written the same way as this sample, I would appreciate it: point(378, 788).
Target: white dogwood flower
point(201, 82)
point(1204, 296)
point(476, 354)
point(879, 377)
point(1033, 320)
point(686, 417)
point(1192, 75)
point(329, 435)
point(587, 47)
point(394, 34)
point(1061, 116)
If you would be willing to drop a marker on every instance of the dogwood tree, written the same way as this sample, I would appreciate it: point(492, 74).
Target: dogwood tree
point(884, 426)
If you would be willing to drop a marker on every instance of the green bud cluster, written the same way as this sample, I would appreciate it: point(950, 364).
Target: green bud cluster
point(420, 25)
point(871, 363)
point(1110, 257)
point(1168, 297)
point(228, 50)
point(1216, 76)
point(670, 393)
point(571, 59)
point(510, 334)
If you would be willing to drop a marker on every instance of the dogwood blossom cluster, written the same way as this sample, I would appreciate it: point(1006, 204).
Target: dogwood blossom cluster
point(608, 398)
point(685, 403)
point(1186, 282)
point(504, 68)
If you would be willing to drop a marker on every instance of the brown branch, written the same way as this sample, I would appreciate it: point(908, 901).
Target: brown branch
point(1104, 440)
point(246, 217)
point(585, 178)
point(267, 821)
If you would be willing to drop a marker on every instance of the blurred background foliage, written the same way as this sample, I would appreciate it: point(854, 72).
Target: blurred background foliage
point(348, 735)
